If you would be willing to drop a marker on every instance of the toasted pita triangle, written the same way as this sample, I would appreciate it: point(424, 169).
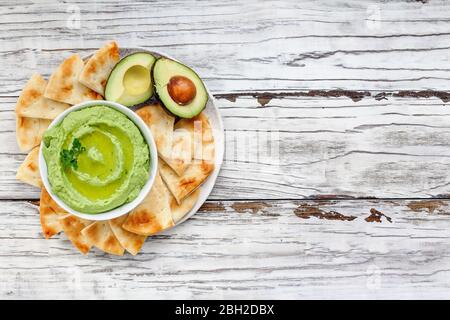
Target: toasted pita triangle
point(161, 125)
point(153, 214)
point(192, 178)
point(50, 214)
point(202, 139)
point(181, 155)
point(202, 149)
point(192, 139)
point(33, 104)
point(29, 131)
point(101, 236)
point(28, 171)
point(72, 227)
point(173, 146)
point(63, 84)
point(96, 71)
point(130, 241)
point(179, 210)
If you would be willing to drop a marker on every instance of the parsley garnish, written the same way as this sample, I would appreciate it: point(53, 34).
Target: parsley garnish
point(69, 157)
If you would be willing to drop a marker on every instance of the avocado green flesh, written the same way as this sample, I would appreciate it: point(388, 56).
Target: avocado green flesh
point(163, 71)
point(130, 81)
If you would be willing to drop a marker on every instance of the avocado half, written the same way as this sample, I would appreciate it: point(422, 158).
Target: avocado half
point(130, 82)
point(179, 88)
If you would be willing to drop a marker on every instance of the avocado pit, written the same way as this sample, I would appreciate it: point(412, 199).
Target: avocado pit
point(181, 89)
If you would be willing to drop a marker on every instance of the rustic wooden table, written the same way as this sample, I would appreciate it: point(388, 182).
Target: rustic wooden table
point(335, 181)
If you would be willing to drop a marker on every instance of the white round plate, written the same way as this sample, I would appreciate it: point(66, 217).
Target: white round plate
point(216, 123)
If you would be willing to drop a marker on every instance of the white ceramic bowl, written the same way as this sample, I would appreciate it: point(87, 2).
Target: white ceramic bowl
point(114, 213)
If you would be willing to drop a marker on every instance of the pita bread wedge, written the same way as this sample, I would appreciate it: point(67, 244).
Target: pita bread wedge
point(33, 104)
point(101, 236)
point(97, 69)
point(28, 171)
point(202, 164)
point(153, 214)
point(192, 178)
point(63, 84)
point(29, 131)
point(179, 210)
point(161, 125)
point(72, 227)
point(173, 146)
point(50, 214)
point(130, 241)
point(181, 155)
point(202, 139)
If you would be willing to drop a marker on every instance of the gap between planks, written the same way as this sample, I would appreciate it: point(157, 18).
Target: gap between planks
point(264, 96)
point(326, 209)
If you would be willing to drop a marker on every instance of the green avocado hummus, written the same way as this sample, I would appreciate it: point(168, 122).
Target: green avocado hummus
point(97, 159)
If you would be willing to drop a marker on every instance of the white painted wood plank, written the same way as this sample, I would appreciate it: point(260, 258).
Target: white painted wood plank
point(300, 147)
point(243, 250)
point(243, 45)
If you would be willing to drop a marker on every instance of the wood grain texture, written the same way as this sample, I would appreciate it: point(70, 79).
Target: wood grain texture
point(301, 147)
point(320, 100)
point(243, 45)
point(244, 250)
